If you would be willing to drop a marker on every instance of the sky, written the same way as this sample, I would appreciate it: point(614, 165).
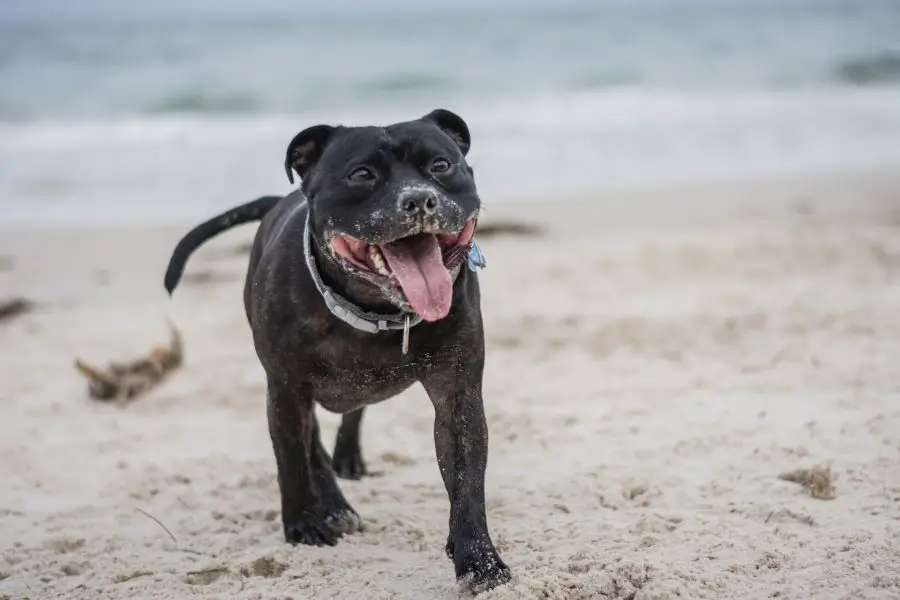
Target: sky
point(56, 10)
point(237, 8)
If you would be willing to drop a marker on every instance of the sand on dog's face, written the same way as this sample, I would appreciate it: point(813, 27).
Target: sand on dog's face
point(642, 402)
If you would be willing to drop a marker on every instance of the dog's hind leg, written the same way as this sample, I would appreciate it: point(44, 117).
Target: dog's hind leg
point(348, 460)
point(313, 509)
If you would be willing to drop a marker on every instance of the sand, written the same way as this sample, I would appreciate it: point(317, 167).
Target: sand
point(657, 361)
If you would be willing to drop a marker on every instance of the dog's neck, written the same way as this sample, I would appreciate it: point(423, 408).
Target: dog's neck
point(354, 303)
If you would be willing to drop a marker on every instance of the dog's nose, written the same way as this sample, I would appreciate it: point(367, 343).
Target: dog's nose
point(423, 202)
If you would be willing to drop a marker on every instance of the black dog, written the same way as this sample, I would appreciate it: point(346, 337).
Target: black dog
point(356, 290)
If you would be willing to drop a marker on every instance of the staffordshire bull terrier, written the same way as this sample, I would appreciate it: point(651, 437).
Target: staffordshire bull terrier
point(357, 288)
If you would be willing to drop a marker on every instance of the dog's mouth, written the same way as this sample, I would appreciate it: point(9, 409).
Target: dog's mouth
point(419, 265)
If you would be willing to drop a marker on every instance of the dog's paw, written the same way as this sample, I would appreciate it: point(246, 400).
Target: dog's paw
point(348, 465)
point(344, 521)
point(324, 530)
point(479, 567)
point(310, 532)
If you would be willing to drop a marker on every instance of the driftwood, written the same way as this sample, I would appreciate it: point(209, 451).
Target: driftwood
point(123, 381)
point(13, 307)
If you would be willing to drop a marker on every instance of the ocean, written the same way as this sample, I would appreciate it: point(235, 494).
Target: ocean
point(162, 120)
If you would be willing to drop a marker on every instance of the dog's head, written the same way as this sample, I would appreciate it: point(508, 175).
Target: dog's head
point(390, 205)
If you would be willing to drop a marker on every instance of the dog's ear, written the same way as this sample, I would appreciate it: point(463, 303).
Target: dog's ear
point(305, 149)
point(453, 125)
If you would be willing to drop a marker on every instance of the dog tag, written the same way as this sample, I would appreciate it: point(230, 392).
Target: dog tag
point(405, 347)
point(476, 257)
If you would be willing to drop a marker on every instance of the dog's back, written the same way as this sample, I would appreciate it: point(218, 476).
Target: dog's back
point(275, 225)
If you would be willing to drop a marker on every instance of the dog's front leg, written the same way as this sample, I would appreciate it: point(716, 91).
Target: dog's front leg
point(313, 509)
point(461, 442)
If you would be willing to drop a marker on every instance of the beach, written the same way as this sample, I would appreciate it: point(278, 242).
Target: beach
point(659, 358)
point(691, 301)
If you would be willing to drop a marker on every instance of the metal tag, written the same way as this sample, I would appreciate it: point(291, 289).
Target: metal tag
point(405, 347)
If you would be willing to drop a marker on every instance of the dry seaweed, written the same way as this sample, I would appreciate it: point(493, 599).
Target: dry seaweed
point(243, 248)
point(205, 278)
point(14, 307)
point(122, 381)
point(818, 481)
point(205, 576)
point(131, 576)
point(265, 566)
point(493, 229)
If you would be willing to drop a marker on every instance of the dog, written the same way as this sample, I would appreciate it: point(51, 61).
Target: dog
point(359, 285)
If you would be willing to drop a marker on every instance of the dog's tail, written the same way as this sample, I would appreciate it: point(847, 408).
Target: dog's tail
point(245, 213)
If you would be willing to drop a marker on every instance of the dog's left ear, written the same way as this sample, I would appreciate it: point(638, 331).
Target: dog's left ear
point(453, 125)
point(305, 149)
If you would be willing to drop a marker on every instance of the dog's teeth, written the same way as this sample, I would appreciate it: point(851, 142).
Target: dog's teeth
point(375, 256)
point(378, 261)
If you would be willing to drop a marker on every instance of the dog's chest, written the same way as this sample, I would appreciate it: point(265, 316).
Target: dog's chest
point(357, 378)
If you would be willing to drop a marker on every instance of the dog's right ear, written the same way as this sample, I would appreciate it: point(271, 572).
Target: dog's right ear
point(305, 149)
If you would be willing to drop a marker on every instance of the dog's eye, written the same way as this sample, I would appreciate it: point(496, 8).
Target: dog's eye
point(361, 175)
point(440, 165)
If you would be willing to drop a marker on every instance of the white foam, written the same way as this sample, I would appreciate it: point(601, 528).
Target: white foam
point(173, 167)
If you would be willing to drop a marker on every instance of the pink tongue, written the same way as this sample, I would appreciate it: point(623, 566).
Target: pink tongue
point(417, 263)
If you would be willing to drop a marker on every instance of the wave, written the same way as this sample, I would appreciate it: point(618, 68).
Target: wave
point(237, 102)
point(641, 136)
point(207, 102)
point(615, 79)
point(410, 82)
point(876, 69)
